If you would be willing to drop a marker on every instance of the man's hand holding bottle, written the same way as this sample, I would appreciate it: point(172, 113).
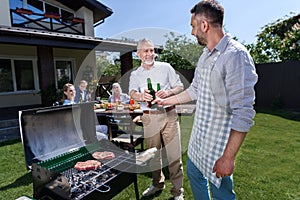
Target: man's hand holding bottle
point(146, 96)
point(159, 97)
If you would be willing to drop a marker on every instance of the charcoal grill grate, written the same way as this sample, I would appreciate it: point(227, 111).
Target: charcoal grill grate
point(81, 183)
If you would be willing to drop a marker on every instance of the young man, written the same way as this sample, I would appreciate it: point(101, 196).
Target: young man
point(223, 86)
point(161, 127)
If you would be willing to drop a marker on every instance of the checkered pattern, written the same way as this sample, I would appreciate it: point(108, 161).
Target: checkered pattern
point(211, 124)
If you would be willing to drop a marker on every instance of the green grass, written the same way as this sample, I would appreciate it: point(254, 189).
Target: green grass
point(267, 166)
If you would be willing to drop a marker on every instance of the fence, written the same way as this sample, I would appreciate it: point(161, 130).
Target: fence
point(278, 84)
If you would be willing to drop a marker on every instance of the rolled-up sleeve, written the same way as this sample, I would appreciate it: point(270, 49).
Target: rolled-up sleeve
point(239, 83)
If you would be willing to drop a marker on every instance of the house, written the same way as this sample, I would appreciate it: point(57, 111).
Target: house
point(44, 43)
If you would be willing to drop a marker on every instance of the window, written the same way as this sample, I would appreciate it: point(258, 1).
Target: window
point(54, 13)
point(6, 79)
point(66, 15)
point(63, 72)
point(36, 6)
point(24, 75)
point(51, 9)
point(43, 7)
point(17, 75)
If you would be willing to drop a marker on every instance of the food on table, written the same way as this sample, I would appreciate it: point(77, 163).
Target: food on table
point(134, 106)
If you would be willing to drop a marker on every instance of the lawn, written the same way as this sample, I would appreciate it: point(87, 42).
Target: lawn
point(266, 167)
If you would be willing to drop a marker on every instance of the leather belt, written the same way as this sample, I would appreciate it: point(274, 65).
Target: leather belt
point(167, 109)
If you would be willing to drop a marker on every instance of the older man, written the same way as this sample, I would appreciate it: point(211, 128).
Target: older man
point(161, 127)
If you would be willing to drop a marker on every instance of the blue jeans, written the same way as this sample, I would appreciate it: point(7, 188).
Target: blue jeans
point(200, 185)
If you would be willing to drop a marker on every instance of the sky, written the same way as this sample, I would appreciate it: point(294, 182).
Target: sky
point(153, 19)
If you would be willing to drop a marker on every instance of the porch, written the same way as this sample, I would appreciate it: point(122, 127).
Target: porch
point(9, 122)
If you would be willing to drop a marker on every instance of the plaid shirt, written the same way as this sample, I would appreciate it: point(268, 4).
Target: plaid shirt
point(217, 114)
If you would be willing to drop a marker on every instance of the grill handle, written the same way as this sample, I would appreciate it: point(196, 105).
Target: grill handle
point(103, 191)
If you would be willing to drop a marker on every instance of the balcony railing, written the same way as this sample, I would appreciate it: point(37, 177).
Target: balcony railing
point(21, 17)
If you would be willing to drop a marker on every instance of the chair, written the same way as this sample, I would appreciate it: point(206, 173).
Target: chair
point(124, 132)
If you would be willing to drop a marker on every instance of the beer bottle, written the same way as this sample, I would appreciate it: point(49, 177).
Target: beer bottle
point(152, 92)
point(158, 87)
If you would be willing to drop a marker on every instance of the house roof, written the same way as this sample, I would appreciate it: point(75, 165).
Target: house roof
point(25, 36)
point(100, 11)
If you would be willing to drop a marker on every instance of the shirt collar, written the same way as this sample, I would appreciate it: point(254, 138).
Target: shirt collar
point(153, 66)
point(221, 46)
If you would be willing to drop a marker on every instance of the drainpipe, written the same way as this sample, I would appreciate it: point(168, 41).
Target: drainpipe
point(98, 23)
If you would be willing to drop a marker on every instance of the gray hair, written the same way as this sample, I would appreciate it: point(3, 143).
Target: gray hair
point(119, 86)
point(144, 41)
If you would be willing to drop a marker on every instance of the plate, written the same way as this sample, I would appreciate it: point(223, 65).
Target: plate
point(100, 110)
point(138, 111)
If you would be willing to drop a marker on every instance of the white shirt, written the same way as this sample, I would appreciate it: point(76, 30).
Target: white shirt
point(160, 72)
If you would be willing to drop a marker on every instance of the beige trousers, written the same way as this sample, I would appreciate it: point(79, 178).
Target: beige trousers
point(163, 132)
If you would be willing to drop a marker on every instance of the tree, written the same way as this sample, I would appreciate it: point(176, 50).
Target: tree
point(106, 68)
point(181, 52)
point(278, 41)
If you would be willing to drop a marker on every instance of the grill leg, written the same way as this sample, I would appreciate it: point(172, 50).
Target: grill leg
point(136, 187)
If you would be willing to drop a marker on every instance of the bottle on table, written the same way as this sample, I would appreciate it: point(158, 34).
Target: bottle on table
point(131, 102)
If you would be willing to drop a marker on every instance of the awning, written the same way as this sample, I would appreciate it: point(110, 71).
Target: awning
point(26, 36)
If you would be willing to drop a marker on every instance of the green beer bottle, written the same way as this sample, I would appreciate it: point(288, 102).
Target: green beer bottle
point(158, 87)
point(152, 92)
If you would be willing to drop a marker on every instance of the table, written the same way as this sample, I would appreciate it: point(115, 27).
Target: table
point(182, 110)
point(102, 115)
point(124, 118)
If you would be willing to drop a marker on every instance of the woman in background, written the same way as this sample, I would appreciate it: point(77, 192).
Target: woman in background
point(69, 94)
point(117, 95)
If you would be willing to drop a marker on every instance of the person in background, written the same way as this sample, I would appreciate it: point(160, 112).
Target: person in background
point(101, 131)
point(69, 94)
point(161, 128)
point(81, 92)
point(223, 86)
point(117, 95)
point(68, 99)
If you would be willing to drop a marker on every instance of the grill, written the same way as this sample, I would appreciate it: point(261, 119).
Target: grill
point(55, 139)
point(56, 178)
